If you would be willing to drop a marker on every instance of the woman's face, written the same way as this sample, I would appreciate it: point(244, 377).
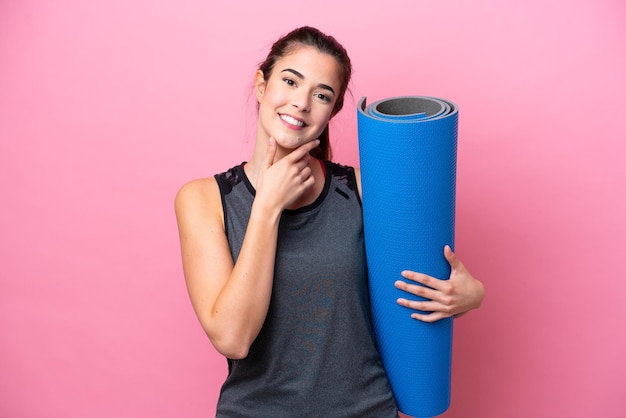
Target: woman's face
point(297, 101)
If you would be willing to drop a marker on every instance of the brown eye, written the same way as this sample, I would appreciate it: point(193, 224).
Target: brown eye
point(323, 97)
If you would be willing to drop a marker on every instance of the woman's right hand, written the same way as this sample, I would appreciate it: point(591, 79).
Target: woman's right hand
point(280, 183)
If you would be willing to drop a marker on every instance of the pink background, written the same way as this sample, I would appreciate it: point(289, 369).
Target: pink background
point(107, 107)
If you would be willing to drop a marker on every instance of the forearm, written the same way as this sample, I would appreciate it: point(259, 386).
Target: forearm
point(241, 307)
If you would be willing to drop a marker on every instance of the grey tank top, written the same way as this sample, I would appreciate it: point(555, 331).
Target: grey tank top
point(315, 355)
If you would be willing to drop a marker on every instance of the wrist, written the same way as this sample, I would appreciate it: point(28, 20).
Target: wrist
point(265, 212)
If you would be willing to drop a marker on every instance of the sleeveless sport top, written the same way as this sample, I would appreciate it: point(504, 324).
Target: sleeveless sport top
point(315, 355)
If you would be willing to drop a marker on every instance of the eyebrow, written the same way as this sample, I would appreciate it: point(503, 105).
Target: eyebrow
point(299, 75)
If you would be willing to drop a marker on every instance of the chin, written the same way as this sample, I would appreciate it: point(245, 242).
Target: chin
point(292, 142)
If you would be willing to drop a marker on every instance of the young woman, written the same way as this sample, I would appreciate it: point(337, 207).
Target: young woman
point(273, 255)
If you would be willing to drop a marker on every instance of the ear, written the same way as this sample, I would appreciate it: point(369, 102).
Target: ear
point(259, 85)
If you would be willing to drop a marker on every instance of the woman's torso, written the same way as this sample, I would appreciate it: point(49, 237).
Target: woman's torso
point(315, 354)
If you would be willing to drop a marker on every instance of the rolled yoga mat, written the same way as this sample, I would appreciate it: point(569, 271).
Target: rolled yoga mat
point(407, 148)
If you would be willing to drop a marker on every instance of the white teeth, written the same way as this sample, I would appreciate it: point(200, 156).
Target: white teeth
point(291, 120)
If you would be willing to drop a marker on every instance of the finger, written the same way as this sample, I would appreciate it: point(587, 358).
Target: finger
point(427, 306)
point(271, 153)
point(443, 299)
point(432, 317)
point(302, 163)
point(309, 180)
point(427, 310)
point(455, 263)
point(416, 289)
point(310, 146)
point(303, 150)
point(425, 279)
point(306, 175)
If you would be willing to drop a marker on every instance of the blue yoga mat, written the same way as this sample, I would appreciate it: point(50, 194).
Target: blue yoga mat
point(407, 148)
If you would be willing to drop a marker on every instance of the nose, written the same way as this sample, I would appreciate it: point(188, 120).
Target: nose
point(302, 101)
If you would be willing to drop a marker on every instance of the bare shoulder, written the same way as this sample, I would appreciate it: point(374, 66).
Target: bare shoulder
point(205, 188)
point(199, 199)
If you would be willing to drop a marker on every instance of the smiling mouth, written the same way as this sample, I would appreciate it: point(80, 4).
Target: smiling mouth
point(292, 121)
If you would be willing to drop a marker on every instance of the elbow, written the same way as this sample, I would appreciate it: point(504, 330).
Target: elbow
point(230, 339)
point(232, 352)
point(230, 346)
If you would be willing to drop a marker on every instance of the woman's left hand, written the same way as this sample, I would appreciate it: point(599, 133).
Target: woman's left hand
point(453, 297)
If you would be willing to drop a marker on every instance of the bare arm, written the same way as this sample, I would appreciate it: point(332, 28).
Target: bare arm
point(231, 300)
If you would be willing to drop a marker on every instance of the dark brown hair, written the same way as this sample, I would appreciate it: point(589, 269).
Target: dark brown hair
point(309, 36)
